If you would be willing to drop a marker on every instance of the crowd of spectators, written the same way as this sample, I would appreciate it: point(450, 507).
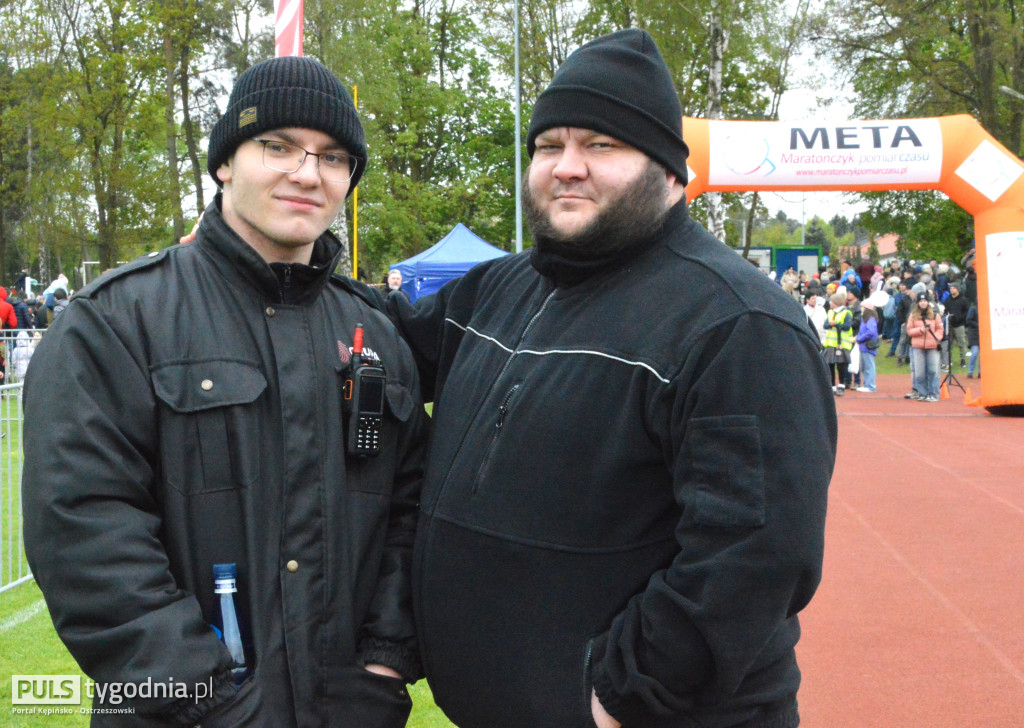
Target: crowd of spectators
point(24, 314)
point(924, 313)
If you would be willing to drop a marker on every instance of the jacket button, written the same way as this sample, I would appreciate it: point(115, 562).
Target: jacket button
point(207, 385)
point(270, 311)
point(292, 566)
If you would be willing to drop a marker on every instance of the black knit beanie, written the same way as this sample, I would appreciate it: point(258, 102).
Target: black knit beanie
point(617, 85)
point(287, 91)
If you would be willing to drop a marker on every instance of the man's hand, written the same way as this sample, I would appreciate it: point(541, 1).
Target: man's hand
point(383, 670)
point(191, 237)
point(601, 717)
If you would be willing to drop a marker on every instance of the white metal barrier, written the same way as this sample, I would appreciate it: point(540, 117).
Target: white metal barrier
point(14, 568)
point(16, 348)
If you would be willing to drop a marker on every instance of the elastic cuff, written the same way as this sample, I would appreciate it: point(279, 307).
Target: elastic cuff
point(401, 659)
point(621, 709)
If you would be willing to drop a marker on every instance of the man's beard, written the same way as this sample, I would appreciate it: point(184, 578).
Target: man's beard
point(632, 217)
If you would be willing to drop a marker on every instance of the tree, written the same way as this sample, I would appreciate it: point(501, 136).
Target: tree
point(928, 223)
point(102, 96)
point(719, 32)
point(439, 132)
point(840, 225)
point(905, 59)
point(947, 57)
point(186, 28)
point(27, 167)
point(873, 254)
point(773, 235)
point(12, 170)
point(816, 236)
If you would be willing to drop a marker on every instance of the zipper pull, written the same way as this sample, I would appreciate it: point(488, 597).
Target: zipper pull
point(285, 284)
point(503, 409)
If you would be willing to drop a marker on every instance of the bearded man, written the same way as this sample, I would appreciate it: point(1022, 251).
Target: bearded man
point(624, 501)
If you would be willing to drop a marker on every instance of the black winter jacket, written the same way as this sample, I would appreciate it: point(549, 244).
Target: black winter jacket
point(40, 315)
point(21, 311)
point(614, 497)
point(180, 413)
point(971, 325)
point(905, 306)
point(957, 309)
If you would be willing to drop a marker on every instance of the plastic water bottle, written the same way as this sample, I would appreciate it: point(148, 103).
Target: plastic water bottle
point(224, 576)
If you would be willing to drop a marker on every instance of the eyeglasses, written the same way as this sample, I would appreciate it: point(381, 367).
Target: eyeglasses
point(284, 157)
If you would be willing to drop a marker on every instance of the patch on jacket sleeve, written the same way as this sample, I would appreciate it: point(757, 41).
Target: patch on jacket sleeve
point(726, 465)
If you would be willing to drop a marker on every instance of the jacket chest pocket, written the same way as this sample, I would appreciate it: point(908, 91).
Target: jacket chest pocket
point(210, 430)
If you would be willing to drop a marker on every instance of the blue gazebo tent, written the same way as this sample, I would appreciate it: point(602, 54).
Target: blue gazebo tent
point(449, 258)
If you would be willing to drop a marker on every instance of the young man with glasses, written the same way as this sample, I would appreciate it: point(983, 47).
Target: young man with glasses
point(234, 402)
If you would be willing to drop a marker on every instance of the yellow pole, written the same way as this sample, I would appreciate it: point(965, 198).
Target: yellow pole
point(355, 208)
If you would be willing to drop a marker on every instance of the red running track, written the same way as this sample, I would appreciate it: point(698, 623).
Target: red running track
point(919, 619)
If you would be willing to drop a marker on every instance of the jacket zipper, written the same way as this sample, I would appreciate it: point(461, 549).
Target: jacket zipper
point(504, 368)
point(503, 409)
point(588, 683)
point(529, 325)
point(286, 284)
point(485, 463)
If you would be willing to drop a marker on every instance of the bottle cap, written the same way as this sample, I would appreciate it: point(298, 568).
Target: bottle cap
point(224, 576)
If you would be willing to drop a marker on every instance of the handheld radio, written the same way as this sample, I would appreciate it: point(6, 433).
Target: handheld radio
point(364, 394)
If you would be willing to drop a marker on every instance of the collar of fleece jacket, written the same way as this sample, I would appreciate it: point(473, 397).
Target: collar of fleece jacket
point(565, 272)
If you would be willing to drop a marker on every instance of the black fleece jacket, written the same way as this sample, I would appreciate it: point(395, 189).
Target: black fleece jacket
point(619, 495)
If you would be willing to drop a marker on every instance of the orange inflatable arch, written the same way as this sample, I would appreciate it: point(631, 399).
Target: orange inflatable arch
point(953, 154)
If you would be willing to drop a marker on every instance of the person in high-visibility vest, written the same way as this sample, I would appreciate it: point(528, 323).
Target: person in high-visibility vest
point(838, 340)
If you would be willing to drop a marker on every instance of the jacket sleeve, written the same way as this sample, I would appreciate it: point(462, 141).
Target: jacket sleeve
point(424, 326)
point(971, 319)
point(915, 326)
point(750, 479)
point(389, 636)
point(868, 331)
point(92, 519)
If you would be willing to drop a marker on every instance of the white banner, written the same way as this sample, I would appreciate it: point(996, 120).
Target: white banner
point(1005, 252)
point(802, 154)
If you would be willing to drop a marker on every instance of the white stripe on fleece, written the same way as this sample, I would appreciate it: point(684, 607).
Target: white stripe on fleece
point(582, 352)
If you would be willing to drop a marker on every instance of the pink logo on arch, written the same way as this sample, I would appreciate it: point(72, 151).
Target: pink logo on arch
point(748, 156)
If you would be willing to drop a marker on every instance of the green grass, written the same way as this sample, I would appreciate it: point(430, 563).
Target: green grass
point(31, 648)
point(425, 714)
point(887, 365)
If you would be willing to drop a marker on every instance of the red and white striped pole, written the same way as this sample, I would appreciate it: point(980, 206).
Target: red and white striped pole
point(288, 27)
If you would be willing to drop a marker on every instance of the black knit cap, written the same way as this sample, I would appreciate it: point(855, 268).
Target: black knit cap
point(288, 91)
point(617, 85)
